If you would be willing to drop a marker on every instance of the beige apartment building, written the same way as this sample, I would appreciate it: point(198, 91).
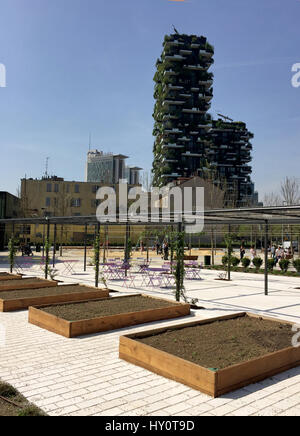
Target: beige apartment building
point(54, 196)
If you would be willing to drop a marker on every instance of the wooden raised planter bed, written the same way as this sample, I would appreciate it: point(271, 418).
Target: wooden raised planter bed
point(26, 283)
point(7, 276)
point(189, 257)
point(81, 327)
point(212, 382)
point(57, 294)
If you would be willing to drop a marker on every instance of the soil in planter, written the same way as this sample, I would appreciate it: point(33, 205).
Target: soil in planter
point(19, 283)
point(113, 306)
point(221, 344)
point(41, 292)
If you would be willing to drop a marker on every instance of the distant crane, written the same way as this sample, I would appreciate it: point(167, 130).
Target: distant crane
point(225, 117)
point(176, 31)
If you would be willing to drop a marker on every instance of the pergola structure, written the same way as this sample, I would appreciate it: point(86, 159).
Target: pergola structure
point(266, 216)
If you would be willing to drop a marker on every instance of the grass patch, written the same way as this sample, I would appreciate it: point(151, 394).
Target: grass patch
point(17, 405)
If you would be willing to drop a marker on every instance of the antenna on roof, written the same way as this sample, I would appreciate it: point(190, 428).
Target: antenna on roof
point(90, 141)
point(225, 117)
point(47, 166)
point(176, 31)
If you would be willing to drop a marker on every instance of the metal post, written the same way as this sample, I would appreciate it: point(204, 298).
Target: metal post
point(179, 261)
point(13, 240)
point(61, 240)
point(229, 252)
point(47, 248)
point(105, 245)
point(266, 257)
point(54, 245)
point(43, 252)
point(126, 258)
point(85, 242)
point(97, 258)
point(212, 246)
point(215, 233)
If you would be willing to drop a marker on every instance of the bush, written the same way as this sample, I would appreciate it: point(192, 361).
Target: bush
point(257, 262)
point(225, 260)
point(246, 262)
point(234, 261)
point(296, 265)
point(271, 264)
point(284, 265)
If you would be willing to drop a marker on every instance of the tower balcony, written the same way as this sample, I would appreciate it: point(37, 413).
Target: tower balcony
point(194, 110)
point(170, 73)
point(170, 160)
point(174, 43)
point(174, 57)
point(205, 141)
point(190, 154)
point(185, 52)
point(171, 145)
point(205, 53)
point(166, 103)
point(207, 83)
point(171, 175)
point(204, 126)
point(173, 131)
point(185, 95)
point(207, 96)
point(195, 67)
point(167, 117)
point(175, 87)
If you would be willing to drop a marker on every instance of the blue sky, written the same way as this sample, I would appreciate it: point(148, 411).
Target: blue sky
point(80, 66)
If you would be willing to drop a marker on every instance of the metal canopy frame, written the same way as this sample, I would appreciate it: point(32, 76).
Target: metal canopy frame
point(271, 215)
point(258, 215)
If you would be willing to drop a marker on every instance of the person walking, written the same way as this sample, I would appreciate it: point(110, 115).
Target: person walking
point(273, 251)
point(279, 254)
point(166, 251)
point(242, 251)
point(252, 253)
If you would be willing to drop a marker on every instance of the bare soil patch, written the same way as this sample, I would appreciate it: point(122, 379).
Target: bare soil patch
point(223, 343)
point(107, 307)
point(40, 292)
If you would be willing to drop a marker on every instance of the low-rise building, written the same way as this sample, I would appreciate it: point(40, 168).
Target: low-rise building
point(10, 207)
point(56, 197)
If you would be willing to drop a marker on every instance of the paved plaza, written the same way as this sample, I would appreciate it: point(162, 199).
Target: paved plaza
point(84, 376)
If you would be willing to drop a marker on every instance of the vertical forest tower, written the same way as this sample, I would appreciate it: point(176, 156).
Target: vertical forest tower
point(183, 92)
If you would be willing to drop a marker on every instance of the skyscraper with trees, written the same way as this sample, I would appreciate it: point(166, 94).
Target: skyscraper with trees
point(188, 142)
point(183, 92)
